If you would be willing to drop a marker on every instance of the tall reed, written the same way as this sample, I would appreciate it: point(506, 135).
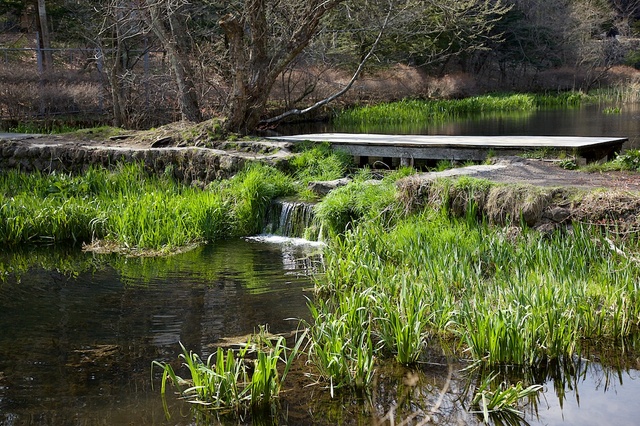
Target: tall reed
point(228, 382)
point(506, 300)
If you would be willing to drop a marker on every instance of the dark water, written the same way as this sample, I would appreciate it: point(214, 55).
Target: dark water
point(589, 120)
point(78, 349)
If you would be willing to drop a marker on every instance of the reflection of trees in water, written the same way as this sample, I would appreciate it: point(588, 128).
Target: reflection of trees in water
point(442, 392)
point(81, 324)
point(76, 322)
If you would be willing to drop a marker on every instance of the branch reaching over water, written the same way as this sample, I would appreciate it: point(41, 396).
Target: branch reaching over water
point(345, 89)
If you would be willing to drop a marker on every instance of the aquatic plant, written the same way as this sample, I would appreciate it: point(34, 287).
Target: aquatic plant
point(403, 319)
point(504, 399)
point(341, 346)
point(612, 110)
point(229, 381)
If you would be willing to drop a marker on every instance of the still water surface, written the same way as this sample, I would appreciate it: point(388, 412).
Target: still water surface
point(589, 120)
point(77, 348)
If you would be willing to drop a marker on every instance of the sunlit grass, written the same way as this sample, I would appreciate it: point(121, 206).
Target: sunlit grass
point(422, 111)
point(230, 381)
point(514, 301)
point(503, 399)
point(132, 208)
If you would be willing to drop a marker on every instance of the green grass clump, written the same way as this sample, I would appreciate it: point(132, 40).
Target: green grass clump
point(234, 381)
point(363, 198)
point(422, 111)
point(133, 209)
point(628, 160)
point(319, 162)
point(503, 399)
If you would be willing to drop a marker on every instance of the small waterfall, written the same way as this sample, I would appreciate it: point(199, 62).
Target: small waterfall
point(290, 219)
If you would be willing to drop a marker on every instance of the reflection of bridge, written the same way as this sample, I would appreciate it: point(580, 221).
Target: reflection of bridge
point(404, 149)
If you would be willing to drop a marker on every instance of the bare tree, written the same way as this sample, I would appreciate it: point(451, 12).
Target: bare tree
point(627, 11)
point(431, 30)
point(263, 37)
point(166, 19)
point(117, 37)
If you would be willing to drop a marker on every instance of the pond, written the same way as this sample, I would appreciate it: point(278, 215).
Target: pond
point(79, 331)
point(590, 120)
point(76, 347)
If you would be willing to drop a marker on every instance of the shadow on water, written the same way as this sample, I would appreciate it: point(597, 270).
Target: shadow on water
point(79, 333)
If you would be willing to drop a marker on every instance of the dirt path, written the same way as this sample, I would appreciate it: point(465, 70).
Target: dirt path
point(546, 174)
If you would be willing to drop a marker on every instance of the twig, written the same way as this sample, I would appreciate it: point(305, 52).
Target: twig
point(619, 251)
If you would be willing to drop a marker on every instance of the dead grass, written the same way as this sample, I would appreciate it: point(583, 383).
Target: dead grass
point(512, 203)
point(111, 247)
point(617, 211)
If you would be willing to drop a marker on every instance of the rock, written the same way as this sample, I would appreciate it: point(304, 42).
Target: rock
point(546, 228)
point(324, 187)
point(558, 214)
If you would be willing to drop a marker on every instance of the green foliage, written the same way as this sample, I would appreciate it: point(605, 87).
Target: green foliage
point(252, 191)
point(408, 111)
point(360, 199)
point(319, 162)
point(403, 318)
point(612, 110)
point(42, 127)
point(444, 165)
point(341, 347)
point(228, 381)
point(507, 301)
point(133, 209)
point(628, 160)
point(633, 59)
point(504, 399)
point(568, 164)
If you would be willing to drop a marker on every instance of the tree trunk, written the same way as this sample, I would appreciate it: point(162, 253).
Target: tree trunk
point(257, 58)
point(43, 34)
point(172, 39)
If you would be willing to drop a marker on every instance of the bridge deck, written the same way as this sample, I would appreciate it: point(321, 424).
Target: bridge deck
point(460, 147)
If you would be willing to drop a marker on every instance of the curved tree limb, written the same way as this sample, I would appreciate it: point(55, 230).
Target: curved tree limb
point(345, 89)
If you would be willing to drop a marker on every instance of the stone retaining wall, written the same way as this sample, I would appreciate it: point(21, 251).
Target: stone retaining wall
point(185, 164)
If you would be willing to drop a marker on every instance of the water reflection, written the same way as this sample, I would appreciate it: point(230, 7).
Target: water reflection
point(585, 121)
point(76, 346)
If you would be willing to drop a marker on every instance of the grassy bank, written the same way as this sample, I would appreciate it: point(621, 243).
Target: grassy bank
point(131, 209)
point(397, 283)
point(421, 111)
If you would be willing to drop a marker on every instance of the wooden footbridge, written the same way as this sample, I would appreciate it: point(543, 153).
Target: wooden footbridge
point(405, 149)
